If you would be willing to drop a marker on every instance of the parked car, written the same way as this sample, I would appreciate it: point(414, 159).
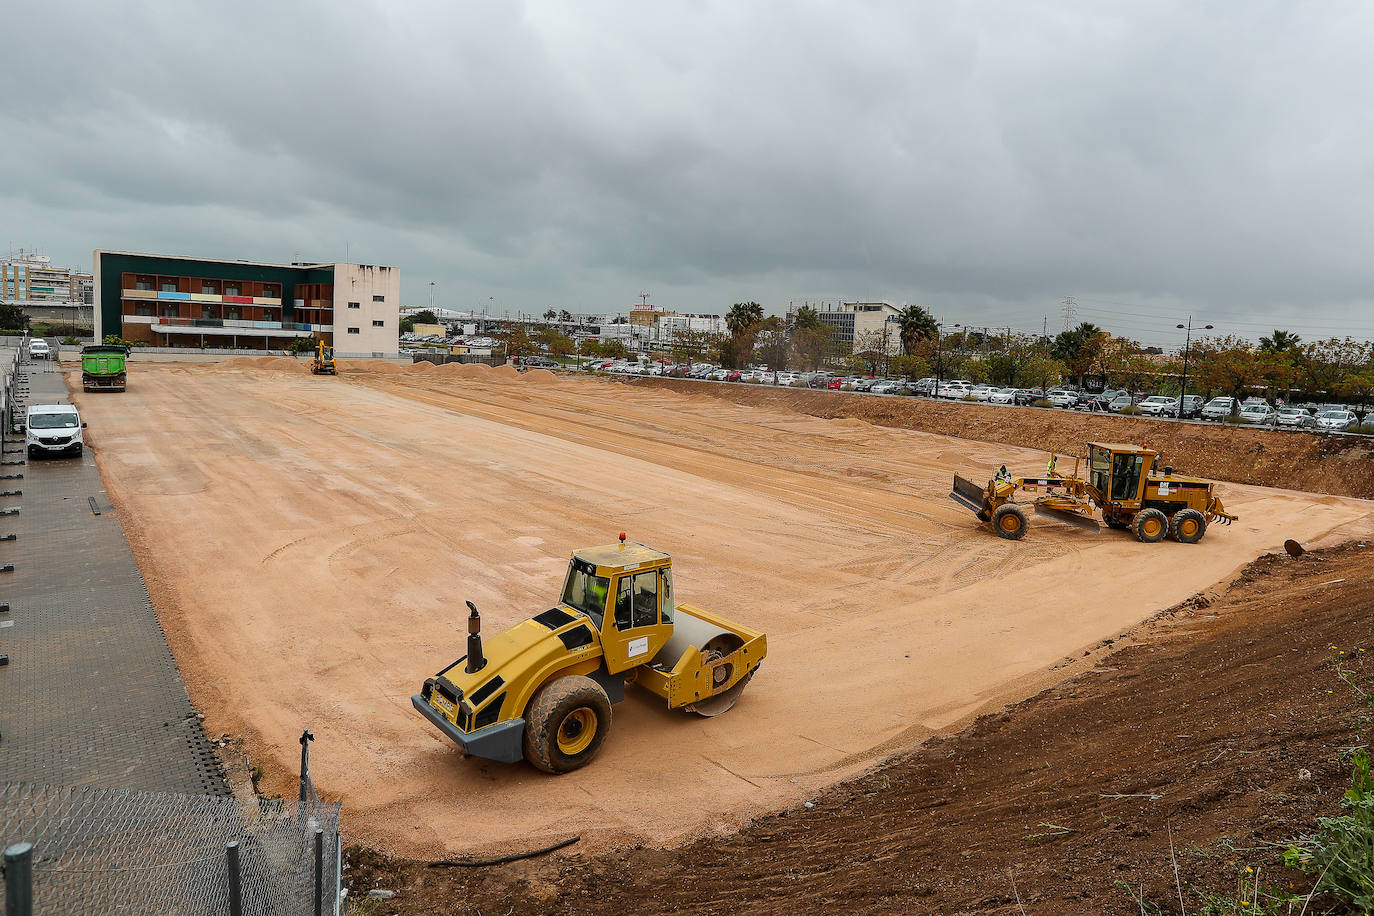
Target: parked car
point(719, 375)
point(52, 429)
point(1061, 398)
point(1217, 408)
point(39, 349)
point(1158, 405)
point(1295, 418)
point(1192, 407)
point(955, 389)
point(1118, 403)
point(536, 362)
point(1003, 396)
point(1336, 420)
point(865, 383)
point(888, 386)
point(925, 386)
point(1259, 413)
point(1025, 397)
point(982, 392)
point(787, 378)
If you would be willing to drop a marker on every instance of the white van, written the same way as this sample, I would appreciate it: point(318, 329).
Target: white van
point(53, 429)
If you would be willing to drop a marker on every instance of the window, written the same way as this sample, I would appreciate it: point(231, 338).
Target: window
point(169, 286)
point(231, 291)
point(206, 287)
point(143, 284)
point(354, 331)
point(585, 590)
point(376, 323)
point(271, 291)
point(355, 305)
point(145, 310)
point(636, 601)
point(379, 298)
point(233, 315)
point(207, 311)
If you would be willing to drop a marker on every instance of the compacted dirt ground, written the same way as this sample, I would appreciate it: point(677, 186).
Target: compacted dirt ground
point(309, 541)
point(1210, 736)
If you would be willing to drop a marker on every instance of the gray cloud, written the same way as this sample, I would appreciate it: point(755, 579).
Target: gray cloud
point(984, 159)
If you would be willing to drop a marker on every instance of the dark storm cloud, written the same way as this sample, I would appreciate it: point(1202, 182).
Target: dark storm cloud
point(1154, 160)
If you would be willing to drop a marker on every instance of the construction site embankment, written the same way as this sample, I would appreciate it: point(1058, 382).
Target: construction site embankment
point(1312, 462)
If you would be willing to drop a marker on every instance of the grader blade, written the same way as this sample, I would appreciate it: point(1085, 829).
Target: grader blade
point(968, 494)
point(1068, 517)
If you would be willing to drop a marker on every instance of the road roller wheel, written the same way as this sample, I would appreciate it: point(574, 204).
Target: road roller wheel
point(1187, 526)
point(566, 723)
point(717, 648)
point(1009, 521)
point(1150, 525)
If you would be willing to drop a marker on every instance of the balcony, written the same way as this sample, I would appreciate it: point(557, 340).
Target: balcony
point(196, 326)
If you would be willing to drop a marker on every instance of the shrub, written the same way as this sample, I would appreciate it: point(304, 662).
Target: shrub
point(1130, 410)
point(1235, 420)
point(797, 384)
point(970, 397)
point(1366, 428)
point(1042, 402)
point(1343, 852)
point(752, 381)
point(70, 341)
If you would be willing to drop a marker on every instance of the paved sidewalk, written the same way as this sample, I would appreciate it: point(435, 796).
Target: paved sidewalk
point(91, 695)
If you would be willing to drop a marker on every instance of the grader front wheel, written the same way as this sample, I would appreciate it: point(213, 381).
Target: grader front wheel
point(1009, 521)
point(566, 724)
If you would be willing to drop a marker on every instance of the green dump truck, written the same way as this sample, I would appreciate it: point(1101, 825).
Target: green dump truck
point(102, 367)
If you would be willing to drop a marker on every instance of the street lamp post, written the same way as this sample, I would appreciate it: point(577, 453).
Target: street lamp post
point(1187, 343)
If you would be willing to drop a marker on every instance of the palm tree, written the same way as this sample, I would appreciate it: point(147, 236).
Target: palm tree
point(742, 317)
point(915, 324)
point(1281, 341)
point(806, 318)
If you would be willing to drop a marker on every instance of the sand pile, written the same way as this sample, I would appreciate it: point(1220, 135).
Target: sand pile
point(423, 365)
point(540, 377)
point(505, 372)
point(464, 370)
point(237, 362)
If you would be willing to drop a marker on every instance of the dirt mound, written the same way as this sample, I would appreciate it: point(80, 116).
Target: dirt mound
point(423, 365)
point(464, 370)
point(284, 364)
point(540, 377)
point(382, 366)
point(1209, 739)
point(238, 362)
point(505, 372)
point(1339, 465)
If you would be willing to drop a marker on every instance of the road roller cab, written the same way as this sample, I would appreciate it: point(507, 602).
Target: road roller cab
point(544, 688)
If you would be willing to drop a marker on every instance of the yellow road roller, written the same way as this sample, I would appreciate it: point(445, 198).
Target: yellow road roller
point(543, 689)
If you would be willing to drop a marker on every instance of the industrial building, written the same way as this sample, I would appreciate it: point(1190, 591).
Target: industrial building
point(174, 301)
point(860, 324)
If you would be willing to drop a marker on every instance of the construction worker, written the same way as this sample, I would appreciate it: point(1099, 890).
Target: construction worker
point(1049, 468)
point(1003, 475)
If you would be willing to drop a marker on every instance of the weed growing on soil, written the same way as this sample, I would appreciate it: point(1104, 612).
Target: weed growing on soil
point(1342, 854)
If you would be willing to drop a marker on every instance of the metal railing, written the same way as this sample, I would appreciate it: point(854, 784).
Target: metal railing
point(96, 851)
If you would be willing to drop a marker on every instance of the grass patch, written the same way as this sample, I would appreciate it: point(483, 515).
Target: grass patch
point(1042, 402)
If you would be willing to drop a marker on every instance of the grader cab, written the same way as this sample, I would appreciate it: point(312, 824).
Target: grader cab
point(543, 689)
point(1121, 482)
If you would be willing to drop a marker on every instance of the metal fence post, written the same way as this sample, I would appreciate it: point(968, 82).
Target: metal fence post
point(235, 879)
point(306, 738)
point(319, 871)
point(19, 880)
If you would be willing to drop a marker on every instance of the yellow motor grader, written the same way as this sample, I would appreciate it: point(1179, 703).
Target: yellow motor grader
point(323, 362)
point(543, 689)
point(1121, 482)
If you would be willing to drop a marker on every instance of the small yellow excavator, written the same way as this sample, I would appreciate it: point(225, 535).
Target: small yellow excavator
point(1122, 482)
point(543, 689)
point(323, 362)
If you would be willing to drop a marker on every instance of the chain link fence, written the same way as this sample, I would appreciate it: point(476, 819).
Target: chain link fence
point(95, 851)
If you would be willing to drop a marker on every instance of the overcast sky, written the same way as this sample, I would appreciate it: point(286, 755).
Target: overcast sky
point(986, 160)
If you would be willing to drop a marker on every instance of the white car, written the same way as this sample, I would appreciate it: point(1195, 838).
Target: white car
point(39, 349)
point(719, 375)
point(955, 389)
point(1296, 417)
point(1258, 412)
point(53, 429)
point(887, 386)
point(1158, 405)
point(1217, 408)
point(787, 378)
point(1003, 396)
point(982, 392)
point(1061, 398)
point(1332, 420)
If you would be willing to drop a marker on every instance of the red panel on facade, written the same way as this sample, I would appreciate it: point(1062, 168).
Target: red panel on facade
point(247, 299)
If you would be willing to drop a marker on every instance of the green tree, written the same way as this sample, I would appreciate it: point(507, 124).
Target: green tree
point(915, 324)
point(813, 340)
point(424, 316)
point(771, 342)
point(1078, 349)
point(742, 321)
point(12, 317)
point(407, 325)
point(564, 315)
point(555, 341)
point(515, 340)
point(1280, 342)
point(1230, 365)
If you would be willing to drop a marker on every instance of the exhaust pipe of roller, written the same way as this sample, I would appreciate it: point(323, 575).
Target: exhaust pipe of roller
point(475, 660)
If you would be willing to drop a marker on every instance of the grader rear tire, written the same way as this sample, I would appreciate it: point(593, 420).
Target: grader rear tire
point(1009, 521)
point(1150, 525)
point(1187, 526)
point(566, 723)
